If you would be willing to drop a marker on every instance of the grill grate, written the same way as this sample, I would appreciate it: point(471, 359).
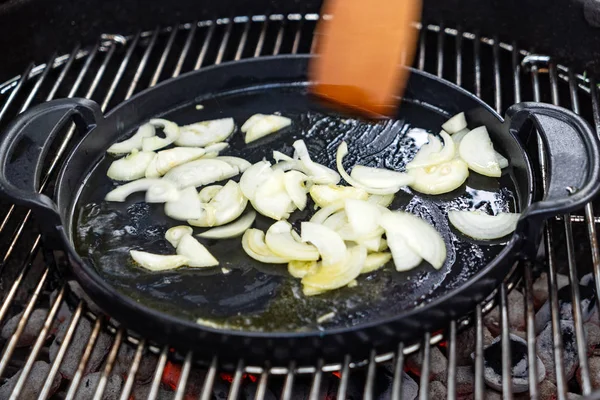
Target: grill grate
point(116, 67)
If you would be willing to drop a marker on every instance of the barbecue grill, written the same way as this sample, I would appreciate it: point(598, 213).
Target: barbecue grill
point(51, 350)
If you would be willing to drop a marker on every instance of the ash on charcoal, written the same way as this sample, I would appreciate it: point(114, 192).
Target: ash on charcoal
point(516, 314)
point(565, 305)
point(592, 335)
point(492, 362)
point(437, 391)
point(545, 350)
point(465, 344)
point(125, 359)
point(33, 385)
point(437, 364)
point(540, 288)
point(89, 383)
point(79, 341)
point(492, 395)
point(34, 325)
point(410, 388)
point(141, 392)
point(594, 368)
point(465, 380)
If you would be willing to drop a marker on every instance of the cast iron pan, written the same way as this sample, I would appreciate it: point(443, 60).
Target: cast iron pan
point(257, 311)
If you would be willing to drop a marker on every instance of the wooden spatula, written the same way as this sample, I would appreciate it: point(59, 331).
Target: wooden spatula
point(361, 50)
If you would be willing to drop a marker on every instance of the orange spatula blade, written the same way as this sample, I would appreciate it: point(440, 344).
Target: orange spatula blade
point(361, 52)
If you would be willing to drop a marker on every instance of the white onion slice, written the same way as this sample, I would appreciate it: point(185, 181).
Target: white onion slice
point(405, 258)
point(362, 216)
point(299, 269)
point(200, 172)
point(502, 161)
point(335, 221)
point(320, 216)
point(141, 185)
point(421, 237)
point(383, 200)
point(457, 138)
point(130, 167)
point(158, 262)
point(161, 192)
point(227, 205)
point(171, 131)
point(207, 193)
point(372, 243)
point(188, 206)
point(425, 157)
point(260, 125)
point(204, 133)
point(477, 150)
point(380, 177)
point(280, 241)
point(271, 199)
point(482, 226)
point(213, 150)
point(253, 243)
point(168, 159)
point(195, 252)
point(236, 228)
point(342, 151)
point(134, 142)
point(238, 162)
point(318, 173)
point(455, 124)
point(279, 156)
point(293, 182)
point(324, 195)
point(329, 277)
point(375, 261)
point(330, 245)
point(174, 234)
point(254, 177)
point(441, 178)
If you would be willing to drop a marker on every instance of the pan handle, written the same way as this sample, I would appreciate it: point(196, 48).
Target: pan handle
point(573, 161)
point(24, 146)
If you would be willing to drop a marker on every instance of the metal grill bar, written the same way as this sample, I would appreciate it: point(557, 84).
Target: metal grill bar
point(146, 43)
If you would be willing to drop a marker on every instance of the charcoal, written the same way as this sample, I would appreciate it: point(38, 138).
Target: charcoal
point(437, 364)
point(77, 346)
point(34, 384)
point(492, 362)
point(574, 396)
point(34, 325)
point(544, 348)
point(594, 369)
point(89, 383)
point(465, 344)
point(141, 392)
point(516, 314)
point(410, 388)
point(592, 335)
point(565, 305)
point(540, 288)
point(249, 392)
point(465, 380)
point(437, 391)
point(492, 395)
point(124, 360)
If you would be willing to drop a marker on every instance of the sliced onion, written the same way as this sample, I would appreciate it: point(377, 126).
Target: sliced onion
point(380, 177)
point(254, 177)
point(204, 133)
point(477, 150)
point(363, 217)
point(130, 167)
point(287, 166)
point(227, 205)
point(236, 228)
point(383, 245)
point(405, 258)
point(213, 150)
point(195, 252)
point(293, 182)
point(174, 234)
point(279, 156)
point(324, 195)
point(334, 276)
point(383, 200)
point(482, 226)
point(341, 153)
point(168, 159)
point(260, 125)
point(134, 142)
point(457, 138)
point(280, 241)
point(330, 245)
point(271, 198)
point(455, 124)
point(375, 261)
point(161, 192)
point(320, 216)
point(141, 185)
point(171, 131)
point(206, 194)
point(300, 269)
point(425, 157)
point(200, 172)
point(421, 237)
point(318, 173)
point(158, 262)
point(240, 163)
point(335, 221)
point(372, 243)
point(441, 178)
point(253, 243)
point(502, 161)
point(188, 206)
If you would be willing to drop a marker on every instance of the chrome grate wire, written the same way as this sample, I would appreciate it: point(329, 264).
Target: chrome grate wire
point(117, 67)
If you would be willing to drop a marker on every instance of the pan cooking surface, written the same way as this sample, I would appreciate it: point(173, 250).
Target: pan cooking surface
point(264, 297)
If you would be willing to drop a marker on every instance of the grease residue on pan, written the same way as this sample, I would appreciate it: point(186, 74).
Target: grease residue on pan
point(261, 297)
